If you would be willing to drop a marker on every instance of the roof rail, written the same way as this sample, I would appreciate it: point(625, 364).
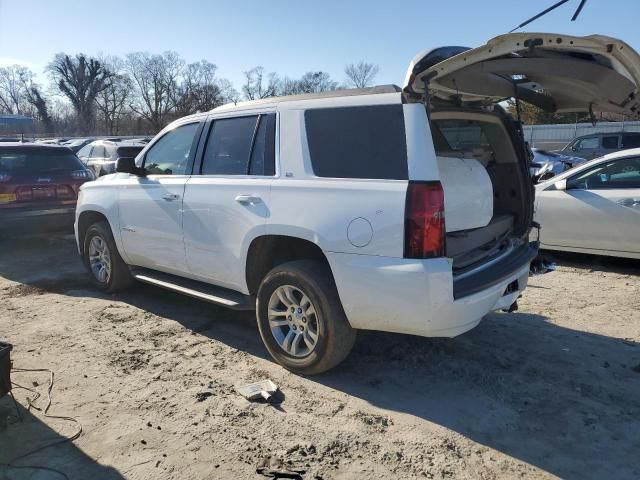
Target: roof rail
point(347, 92)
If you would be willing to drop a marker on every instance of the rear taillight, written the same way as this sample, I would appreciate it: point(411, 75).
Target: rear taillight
point(82, 175)
point(424, 230)
point(24, 194)
point(63, 192)
point(4, 177)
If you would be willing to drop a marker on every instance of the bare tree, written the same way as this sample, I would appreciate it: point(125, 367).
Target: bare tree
point(310, 82)
point(200, 90)
point(255, 87)
point(80, 79)
point(315, 82)
point(361, 74)
point(229, 93)
point(14, 85)
point(113, 101)
point(41, 106)
point(156, 78)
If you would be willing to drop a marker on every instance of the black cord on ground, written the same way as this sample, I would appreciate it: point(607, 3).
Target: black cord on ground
point(45, 410)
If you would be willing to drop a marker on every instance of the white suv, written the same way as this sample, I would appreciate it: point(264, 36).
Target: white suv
point(385, 208)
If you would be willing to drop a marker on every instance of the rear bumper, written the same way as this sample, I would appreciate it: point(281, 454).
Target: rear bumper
point(417, 296)
point(36, 219)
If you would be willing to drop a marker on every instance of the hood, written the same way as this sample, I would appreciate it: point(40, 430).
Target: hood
point(557, 73)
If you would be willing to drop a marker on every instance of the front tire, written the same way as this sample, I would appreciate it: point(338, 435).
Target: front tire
point(100, 254)
point(301, 319)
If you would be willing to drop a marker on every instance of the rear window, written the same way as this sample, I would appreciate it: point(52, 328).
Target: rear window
point(26, 160)
point(128, 152)
point(358, 142)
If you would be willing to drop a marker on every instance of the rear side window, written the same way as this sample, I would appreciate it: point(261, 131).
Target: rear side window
point(98, 152)
point(358, 142)
point(19, 161)
point(610, 142)
point(241, 146)
point(85, 151)
point(630, 141)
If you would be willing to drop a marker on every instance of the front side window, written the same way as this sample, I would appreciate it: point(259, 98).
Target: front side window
point(610, 142)
point(587, 144)
point(623, 173)
point(170, 155)
point(358, 142)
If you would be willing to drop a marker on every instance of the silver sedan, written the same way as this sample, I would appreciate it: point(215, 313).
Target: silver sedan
point(593, 208)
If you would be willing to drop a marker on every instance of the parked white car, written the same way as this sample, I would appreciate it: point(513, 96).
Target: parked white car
point(593, 208)
point(403, 210)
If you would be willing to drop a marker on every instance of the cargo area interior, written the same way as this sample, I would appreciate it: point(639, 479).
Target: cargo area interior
point(484, 182)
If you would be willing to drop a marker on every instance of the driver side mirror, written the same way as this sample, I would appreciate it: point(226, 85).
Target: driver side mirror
point(128, 165)
point(561, 185)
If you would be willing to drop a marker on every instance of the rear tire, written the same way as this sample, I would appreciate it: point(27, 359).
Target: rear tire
point(105, 265)
point(301, 319)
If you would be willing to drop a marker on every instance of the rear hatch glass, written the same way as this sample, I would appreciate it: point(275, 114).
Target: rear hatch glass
point(26, 162)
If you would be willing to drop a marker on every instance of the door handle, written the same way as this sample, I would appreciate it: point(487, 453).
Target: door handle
point(170, 197)
point(248, 200)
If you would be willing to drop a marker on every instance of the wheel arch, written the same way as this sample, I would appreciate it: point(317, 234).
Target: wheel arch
point(267, 251)
point(88, 217)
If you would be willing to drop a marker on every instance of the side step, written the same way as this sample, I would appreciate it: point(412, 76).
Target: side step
point(193, 288)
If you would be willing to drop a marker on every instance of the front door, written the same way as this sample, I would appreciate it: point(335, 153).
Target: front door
point(150, 207)
point(600, 209)
point(226, 201)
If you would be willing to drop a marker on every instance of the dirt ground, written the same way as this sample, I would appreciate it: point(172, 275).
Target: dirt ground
point(550, 390)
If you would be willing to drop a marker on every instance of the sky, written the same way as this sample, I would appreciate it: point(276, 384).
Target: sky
point(284, 36)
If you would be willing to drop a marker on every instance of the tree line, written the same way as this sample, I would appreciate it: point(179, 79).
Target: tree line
point(142, 92)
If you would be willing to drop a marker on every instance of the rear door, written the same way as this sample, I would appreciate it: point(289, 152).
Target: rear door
point(150, 207)
point(226, 201)
point(599, 210)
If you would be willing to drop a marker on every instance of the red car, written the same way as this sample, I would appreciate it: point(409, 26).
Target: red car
point(39, 187)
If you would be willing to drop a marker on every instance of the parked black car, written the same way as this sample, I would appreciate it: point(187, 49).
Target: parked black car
point(39, 186)
point(599, 144)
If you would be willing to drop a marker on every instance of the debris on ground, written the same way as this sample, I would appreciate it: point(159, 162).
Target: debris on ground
point(273, 467)
point(263, 389)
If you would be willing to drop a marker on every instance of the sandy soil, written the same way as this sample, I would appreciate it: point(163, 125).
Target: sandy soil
point(550, 390)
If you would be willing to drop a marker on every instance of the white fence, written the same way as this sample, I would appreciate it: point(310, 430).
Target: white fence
point(556, 136)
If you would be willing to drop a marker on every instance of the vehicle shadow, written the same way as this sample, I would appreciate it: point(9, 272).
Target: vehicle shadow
point(594, 263)
point(20, 437)
point(562, 400)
